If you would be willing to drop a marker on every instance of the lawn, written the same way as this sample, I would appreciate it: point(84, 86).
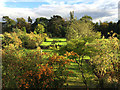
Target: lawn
point(56, 39)
point(50, 43)
point(45, 44)
point(76, 80)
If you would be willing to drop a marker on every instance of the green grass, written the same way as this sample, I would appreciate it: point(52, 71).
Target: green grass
point(56, 39)
point(50, 43)
point(45, 44)
point(76, 80)
point(61, 43)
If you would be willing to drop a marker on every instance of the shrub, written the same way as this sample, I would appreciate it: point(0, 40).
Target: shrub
point(21, 38)
point(17, 30)
point(49, 34)
point(104, 59)
point(11, 38)
point(118, 36)
point(23, 69)
point(28, 42)
point(32, 40)
point(76, 45)
point(39, 29)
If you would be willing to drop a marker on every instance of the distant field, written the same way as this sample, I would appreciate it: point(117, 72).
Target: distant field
point(56, 39)
point(45, 44)
point(50, 43)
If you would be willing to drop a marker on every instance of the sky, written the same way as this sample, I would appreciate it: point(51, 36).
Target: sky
point(99, 10)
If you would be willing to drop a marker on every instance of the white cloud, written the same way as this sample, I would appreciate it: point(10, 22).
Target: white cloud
point(2, 3)
point(104, 10)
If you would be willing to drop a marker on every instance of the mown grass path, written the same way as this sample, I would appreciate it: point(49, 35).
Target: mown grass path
point(75, 79)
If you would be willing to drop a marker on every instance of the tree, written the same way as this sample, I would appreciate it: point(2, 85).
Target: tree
point(43, 21)
point(56, 26)
point(29, 19)
point(118, 27)
point(71, 15)
point(104, 59)
point(8, 24)
point(28, 27)
point(86, 18)
point(39, 29)
point(21, 22)
point(106, 27)
point(79, 29)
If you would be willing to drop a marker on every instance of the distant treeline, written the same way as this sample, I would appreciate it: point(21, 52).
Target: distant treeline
point(57, 26)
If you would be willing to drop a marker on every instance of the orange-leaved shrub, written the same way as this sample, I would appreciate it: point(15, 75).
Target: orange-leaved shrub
point(22, 69)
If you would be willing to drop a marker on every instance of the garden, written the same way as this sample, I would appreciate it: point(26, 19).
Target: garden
point(79, 58)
